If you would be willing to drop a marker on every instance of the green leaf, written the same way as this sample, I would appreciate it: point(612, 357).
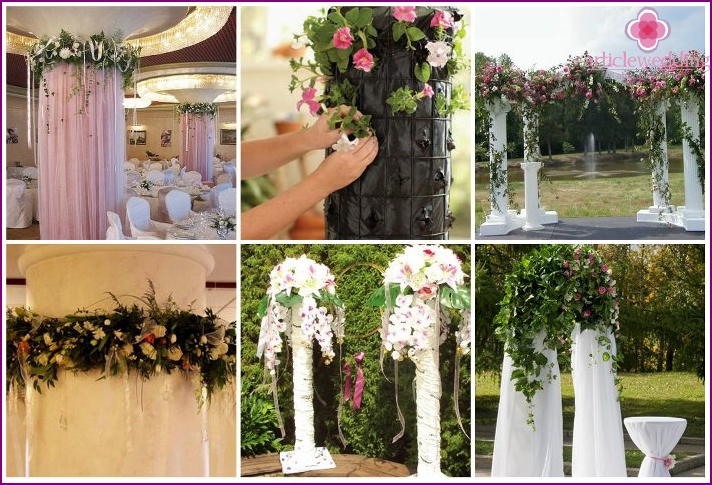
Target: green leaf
point(365, 16)
point(262, 308)
point(606, 357)
point(398, 30)
point(414, 33)
point(422, 72)
point(288, 300)
point(378, 297)
point(352, 17)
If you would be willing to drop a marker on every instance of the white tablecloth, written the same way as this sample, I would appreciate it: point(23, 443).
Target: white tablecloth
point(34, 194)
point(656, 437)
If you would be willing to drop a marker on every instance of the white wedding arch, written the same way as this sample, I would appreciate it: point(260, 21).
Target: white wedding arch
point(506, 87)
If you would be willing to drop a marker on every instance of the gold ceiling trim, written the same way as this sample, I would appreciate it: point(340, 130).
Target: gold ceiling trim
point(199, 25)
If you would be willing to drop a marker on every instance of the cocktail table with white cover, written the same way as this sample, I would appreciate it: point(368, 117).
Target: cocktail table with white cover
point(656, 437)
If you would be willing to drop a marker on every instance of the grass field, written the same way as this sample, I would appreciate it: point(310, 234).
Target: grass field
point(597, 197)
point(678, 394)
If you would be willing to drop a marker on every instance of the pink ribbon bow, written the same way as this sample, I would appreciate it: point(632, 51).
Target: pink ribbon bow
point(360, 381)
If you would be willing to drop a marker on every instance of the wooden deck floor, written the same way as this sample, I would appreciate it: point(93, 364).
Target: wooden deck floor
point(346, 466)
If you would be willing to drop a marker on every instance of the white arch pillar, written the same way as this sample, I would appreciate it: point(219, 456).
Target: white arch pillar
point(533, 215)
point(659, 176)
point(692, 215)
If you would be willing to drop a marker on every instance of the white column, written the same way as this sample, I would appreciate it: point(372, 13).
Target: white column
point(303, 380)
point(531, 167)
point(693, 214)
point(428, 391)
point(500, 220)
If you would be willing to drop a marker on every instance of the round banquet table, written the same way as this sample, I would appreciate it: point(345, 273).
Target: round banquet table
point(656, 437)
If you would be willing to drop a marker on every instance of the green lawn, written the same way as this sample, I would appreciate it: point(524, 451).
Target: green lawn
point(678, 394)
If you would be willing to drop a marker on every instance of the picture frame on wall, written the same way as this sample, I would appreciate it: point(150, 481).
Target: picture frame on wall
point(137, 137)
point(12, 136)
point(166, 138)
point(228, 137)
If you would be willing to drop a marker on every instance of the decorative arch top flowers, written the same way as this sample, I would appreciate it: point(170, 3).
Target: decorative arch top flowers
point(348, 38)
point(98, 51)
point(198, 109)
point(293, 282)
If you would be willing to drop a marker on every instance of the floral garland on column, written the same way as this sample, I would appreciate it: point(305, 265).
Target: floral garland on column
point(301, 302)
point(422, 286)
point(198, 109)
point(349, 38)
point(148, 341)
point(551, 290)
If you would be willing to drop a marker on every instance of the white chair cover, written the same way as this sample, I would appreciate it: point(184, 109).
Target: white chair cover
point(19, 204)
point(178, 205)
point(598, 449)
point(228, 201)
point(521, 450)
point(162, 215)
point(135, 161)
point(156, 166)
point(230, 168)
point(215, 193)
point(192, 177)
point(155, 176)
point(129, 165)
point(169, 176)
point(132, 177)
point(138, 213)
point(30, 172)
point(115, 230)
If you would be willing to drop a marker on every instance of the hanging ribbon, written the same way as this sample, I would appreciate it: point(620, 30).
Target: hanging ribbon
point(401, 419)
point(456, 392)
point(347, 385)
point(360, 381)
point(275, 399)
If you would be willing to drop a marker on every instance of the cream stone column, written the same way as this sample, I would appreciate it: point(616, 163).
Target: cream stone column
point(693, 214)
point(123, 425)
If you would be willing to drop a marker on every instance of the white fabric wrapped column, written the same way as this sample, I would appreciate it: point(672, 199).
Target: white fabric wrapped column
point(659, 175)
point(499, 220)
point(428, 392)
point(598, 449)
point(521, 450)
point(693, 214)
point(127, 426)
point(303, 379)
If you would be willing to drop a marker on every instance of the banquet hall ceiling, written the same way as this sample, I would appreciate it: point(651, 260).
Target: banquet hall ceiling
point(219, 48)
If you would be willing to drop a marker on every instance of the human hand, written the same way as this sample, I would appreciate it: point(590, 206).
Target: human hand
point(320, 135)
point(341, 168)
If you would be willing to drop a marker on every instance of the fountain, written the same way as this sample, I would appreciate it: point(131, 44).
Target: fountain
point(589, 159)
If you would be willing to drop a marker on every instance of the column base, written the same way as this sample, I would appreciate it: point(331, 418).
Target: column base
point(693, 220)
point(651, 214)
point(543, 218)
point(306, 460)
point(501, 224)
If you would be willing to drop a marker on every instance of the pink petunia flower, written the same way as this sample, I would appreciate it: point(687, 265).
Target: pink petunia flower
point(308, 98)
point(587, 313)
point(363, 60)
point(406, 14)
point(442, 19)
point(343, 38)
point(427, 91)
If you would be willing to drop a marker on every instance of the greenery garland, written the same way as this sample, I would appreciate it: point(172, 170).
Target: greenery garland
point(144, 340)
point(551, 290)
point(98, 52)
point(198, 109)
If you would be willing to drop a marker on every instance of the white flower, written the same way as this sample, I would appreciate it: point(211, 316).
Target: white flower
point(99, 334)
point(107, 322)
point(218, 350)
point(148, 350)
point(65, 53)
point(203, 339)
point(173, 338)
point(159, 331)
point(43, 358)
point(127, 349)
point(439, 52)
point(343, 144)
point(58, 358)
point(88, 326)
point(47, 339)
point(396, 355)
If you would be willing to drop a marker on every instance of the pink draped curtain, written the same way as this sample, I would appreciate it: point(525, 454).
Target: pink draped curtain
point(81, 150)
point(198, 142)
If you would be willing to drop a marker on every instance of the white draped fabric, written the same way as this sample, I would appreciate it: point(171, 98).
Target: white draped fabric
point(521, 450)
point(303, 388)
point(198, 132)
point(81, 151)
point(598, 449)
point(656, 437)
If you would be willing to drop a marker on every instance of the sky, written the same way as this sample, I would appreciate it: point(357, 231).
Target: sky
point(543, 36)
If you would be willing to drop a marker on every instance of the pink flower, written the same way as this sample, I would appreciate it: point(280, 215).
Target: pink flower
point(363, 60)
point(343, 38)
point(589, 95)
point(587, 313)
point(602, 290)
point(566, 264)
point(442, 19)
point(611, 291)
point(577, 296)
point(308, 99)
point(406, 14)
point(615, 303)
point(427, 91)
point(604, 268)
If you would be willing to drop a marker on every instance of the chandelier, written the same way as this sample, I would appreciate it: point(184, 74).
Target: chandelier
point(197, 26)
point(197, 83)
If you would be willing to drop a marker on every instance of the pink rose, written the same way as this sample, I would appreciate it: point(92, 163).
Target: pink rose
point(343, 38)
point(587, 313)
point(604, 268)
point(308, 98)
point(577, 296)
point(427, 91)
point(406, 14)
point(363, 60)
point(442, 19)
point(602, 290)
point(589, 95)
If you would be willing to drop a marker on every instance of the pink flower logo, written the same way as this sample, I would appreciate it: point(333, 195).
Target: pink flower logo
point(648, 29)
